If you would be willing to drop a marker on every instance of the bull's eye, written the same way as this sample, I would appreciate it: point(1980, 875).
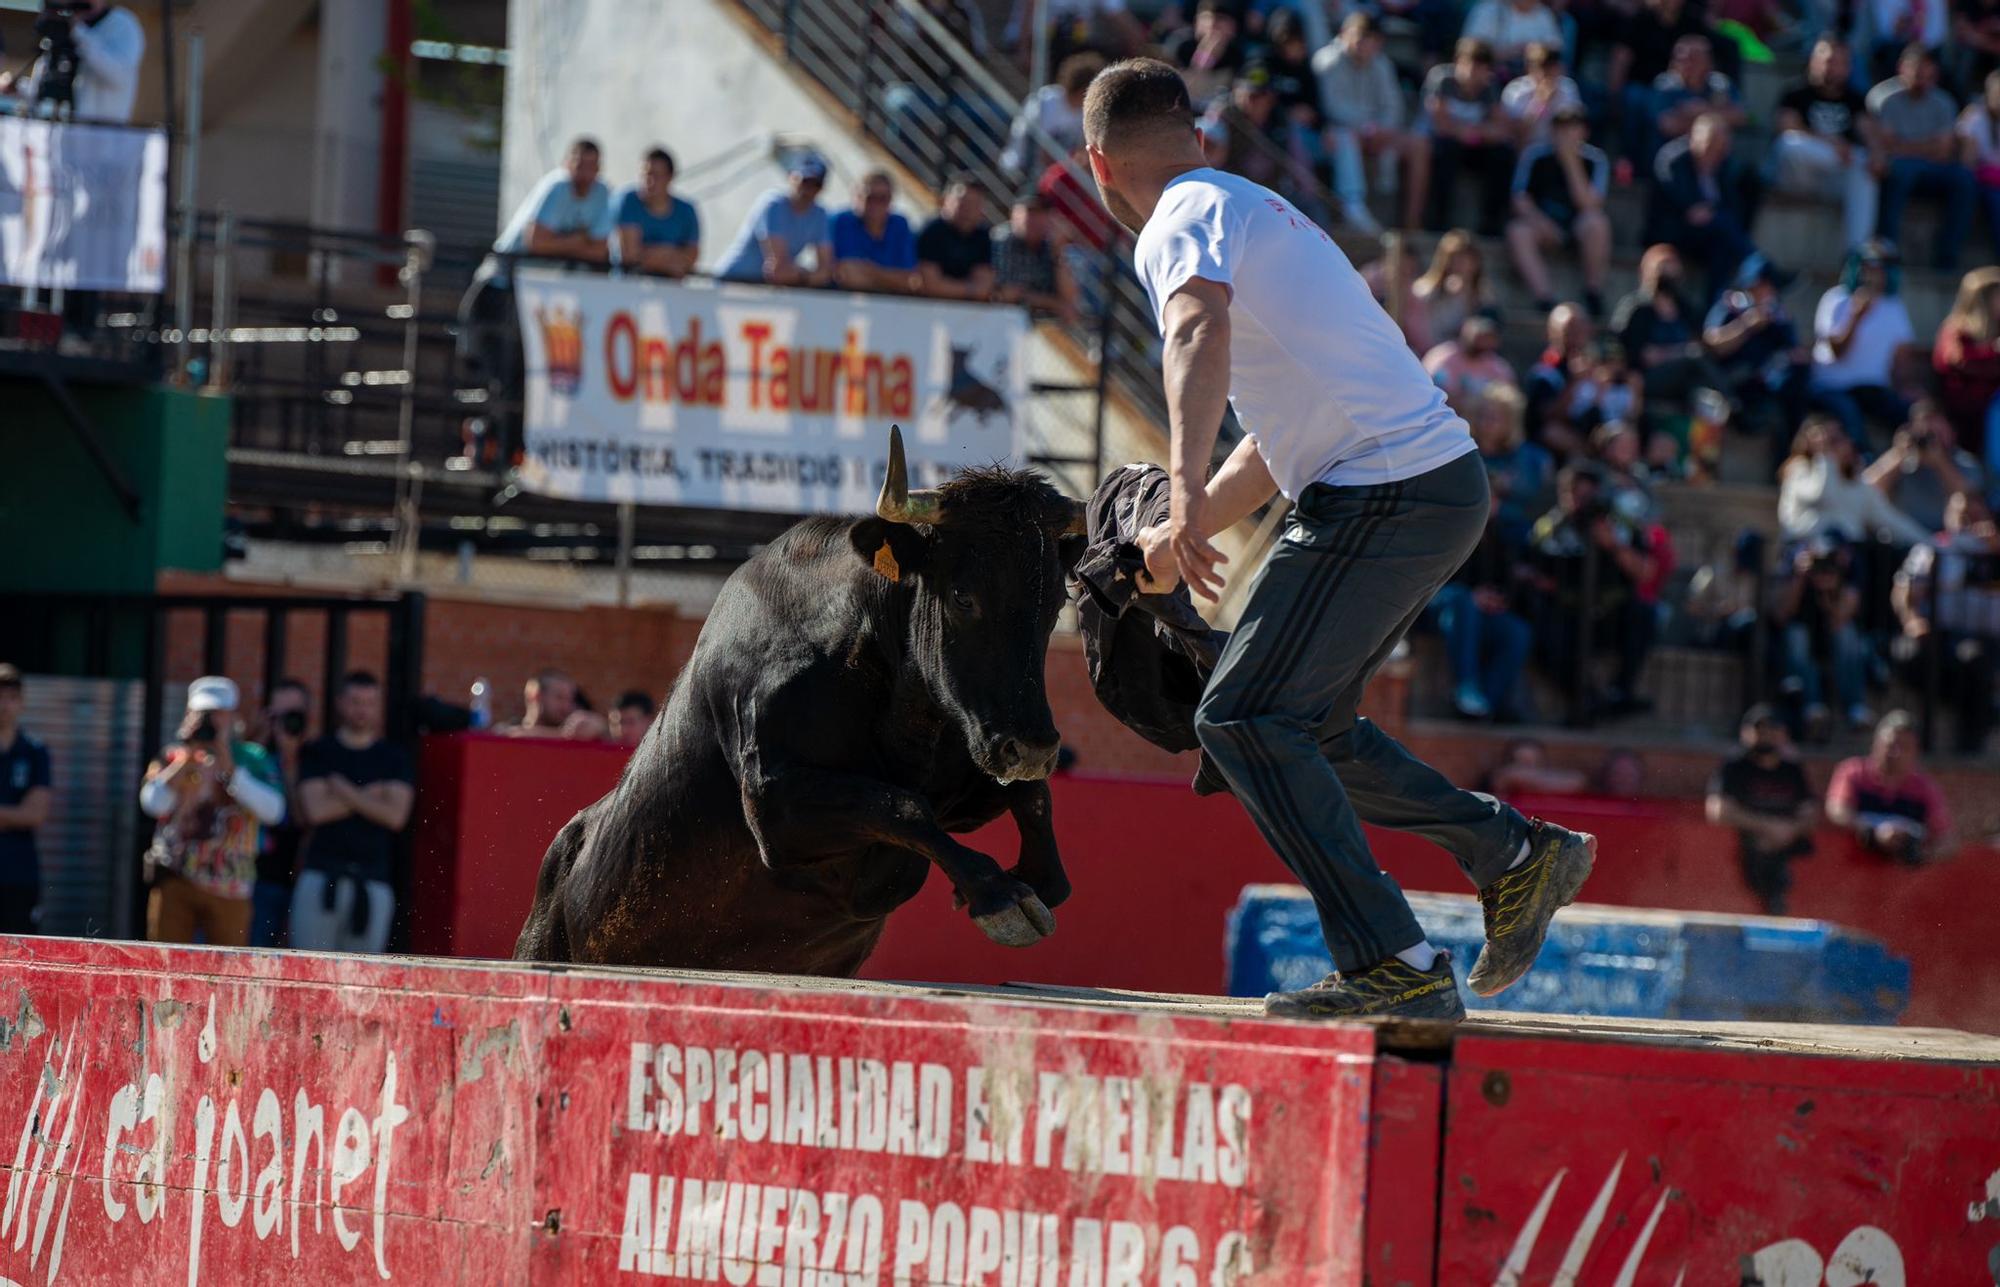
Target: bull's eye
point(963, 600)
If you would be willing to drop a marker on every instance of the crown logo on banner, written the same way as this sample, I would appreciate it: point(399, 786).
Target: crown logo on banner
point(562, 343)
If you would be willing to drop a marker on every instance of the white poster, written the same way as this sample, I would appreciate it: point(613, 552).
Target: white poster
point(82, 206)
point(748, 397)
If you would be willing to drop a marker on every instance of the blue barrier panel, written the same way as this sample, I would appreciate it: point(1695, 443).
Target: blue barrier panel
point(1615, 961)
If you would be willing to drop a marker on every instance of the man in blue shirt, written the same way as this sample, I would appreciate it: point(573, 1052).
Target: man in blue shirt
point(658, 233)
point(24, 806)
point(782, 226)
point(567, 216)
point(873, 246)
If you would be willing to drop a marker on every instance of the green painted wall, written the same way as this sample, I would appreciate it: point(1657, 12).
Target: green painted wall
point(60, 523)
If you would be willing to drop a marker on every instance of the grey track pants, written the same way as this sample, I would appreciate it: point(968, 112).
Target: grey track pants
point(1355, 569)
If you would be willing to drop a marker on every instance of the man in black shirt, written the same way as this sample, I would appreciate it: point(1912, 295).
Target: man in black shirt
point(1824, 137)
point(1762, 793)
point(277, 861)
point(1559, 189)
point(1661, 332)
point(355, 790)
point(955, 249)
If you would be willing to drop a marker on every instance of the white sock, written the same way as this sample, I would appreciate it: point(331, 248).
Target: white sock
point(1420, 957)
point(1519, 858)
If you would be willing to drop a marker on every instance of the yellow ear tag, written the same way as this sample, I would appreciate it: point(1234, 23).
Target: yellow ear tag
point(885, 563)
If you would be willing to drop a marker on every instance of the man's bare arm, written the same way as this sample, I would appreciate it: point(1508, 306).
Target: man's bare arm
point(1196, 369)
point(1242, 484)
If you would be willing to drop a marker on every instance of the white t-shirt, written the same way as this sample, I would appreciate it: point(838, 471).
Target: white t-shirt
point(1318, 374)
point(1882, 330)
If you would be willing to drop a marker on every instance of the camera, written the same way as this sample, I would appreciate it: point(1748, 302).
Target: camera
point(293, 723)
point(203, 733)
point(60, 60)
point(1589, 513)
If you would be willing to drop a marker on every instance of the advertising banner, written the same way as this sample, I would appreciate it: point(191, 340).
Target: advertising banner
point(748, 397)
point(82, 206)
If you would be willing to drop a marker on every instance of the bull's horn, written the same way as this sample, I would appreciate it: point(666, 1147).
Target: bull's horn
point(898, 503)
point(1079, 524)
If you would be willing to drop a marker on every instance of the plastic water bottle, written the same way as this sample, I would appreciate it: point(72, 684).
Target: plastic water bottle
point(482, 703)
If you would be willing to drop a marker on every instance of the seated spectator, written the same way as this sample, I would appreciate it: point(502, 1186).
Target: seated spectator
point(631, 717)
point(1027, 268)
point(1979, 140)
point(1524, 769)
point(1825, 657)
point(1053, 110)
point(1762, 794)
point(1486, 643)
point(873, 247)
point(1509, 27)
point(1821, 492)
point(1534, 99)
point(1825, 136)
point(656, 232)
point(1559, 409)
point(211, 792)
point(1644, 48)
point(1691, 88)
point(551, 707)
point(1559, 191)
point(1105, 27)
point(1465, 368)
point(1918, 131)
point(355, 790)
point(1976, 39)
point(1659, 331)
point(955, 249)
point(1705, 200)
point(1518, 471)
point(784, 227)
point(1566, 604)
point(1859, 328)
point(1896, 26)
point(1887, 801)
point(1463, 118)
point(566, 216)
point(1291, 66)
point(1365, 134)
point(1765, 364)
point(1924, 467)
point(1628, 479)
point(1967, 361)
point(1454, 287)
point(1250, 112)
point(1209, 52)
point(1947, 598)
point(1620, 775)
point(1393, 280)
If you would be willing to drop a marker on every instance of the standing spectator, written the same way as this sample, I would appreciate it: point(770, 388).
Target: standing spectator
point(657, 232)
point(1979, 136)
point(1209, 52)
point(873, 247)
point(285, 717)
point(1821, 492)
point(1465, 368)
point(1816, 614)
point(1538, 95)
point(1886, 799)
point(1454, 287)
point(25, 783)
point(1825, 137)
point(1967, 360)
point(1759, 351)
point(1365, 132)
point(1705, 200)
point(1762, 794)
point(1509, 27)
point(631, 717)
point(1919, 124)
point(1053, 110)
point(550, 708)
point(1579, 532)
point(955, 249)
point(1559, 191)
point(1925, 467)
point(1467, 129)
point(1859, 328)
point(1026, 266)
point(1660, 331)
point(212, 792)
point(1947, 597)
point(565, 217)
point(355, 789)
point(784, 226)
point(110, 46)
point(1486, 643)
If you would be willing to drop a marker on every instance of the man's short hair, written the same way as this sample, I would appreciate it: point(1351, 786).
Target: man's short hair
point(585, 143)
point(1915, 52)
point(1133, 99)
point(291, 683)
point(1473, 49)
point(1361, 23)
point(550, 674)
point(10, 675)
point(635, 699)
point(357, 679)
point(664, 157)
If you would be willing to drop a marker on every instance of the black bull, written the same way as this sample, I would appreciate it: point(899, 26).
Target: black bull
point(861, 689)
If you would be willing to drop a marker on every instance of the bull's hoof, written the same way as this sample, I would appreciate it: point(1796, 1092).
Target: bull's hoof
point(1024, 924)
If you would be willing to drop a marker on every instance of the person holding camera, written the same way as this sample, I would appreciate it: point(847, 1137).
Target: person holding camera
point(1816, 614)
point(89, 61)
point(1925, 467)
point(285, 719)
point(1887, 801)
point(212, 792)
point(1947, 596)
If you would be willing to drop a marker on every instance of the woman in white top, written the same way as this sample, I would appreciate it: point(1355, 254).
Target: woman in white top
point(1858, 329)
point(1821, 492)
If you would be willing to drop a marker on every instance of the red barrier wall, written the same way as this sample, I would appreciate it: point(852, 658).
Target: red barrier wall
point(1156, 869)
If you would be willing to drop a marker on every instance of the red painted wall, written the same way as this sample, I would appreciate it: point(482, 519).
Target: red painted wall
point(1156, 869)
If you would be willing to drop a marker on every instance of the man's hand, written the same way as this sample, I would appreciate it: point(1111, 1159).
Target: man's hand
point(343, 790)
point(1194, 559)
point(223, 758)
point(1162, 571)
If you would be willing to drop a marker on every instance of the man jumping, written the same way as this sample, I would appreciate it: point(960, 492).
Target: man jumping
point(1259, 307)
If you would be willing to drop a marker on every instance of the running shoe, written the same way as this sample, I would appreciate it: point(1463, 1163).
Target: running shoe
point(1392, 989)
point(1519, 905)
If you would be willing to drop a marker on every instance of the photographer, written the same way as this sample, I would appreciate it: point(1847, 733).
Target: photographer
point(1816, 612)
point(213, 793)
point(1947, 597)
point(90, 60)
point(1925, 467)
point(1583, 532)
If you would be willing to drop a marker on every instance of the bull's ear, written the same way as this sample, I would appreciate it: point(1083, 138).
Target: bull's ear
point(1069, 549)
point(893, 550)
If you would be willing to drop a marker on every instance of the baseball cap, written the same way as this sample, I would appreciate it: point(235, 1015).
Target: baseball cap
point(212, 693)
point(807, 165)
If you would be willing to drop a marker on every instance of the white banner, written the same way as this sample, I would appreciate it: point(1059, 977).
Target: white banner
point(747, 397)
point(82, 206)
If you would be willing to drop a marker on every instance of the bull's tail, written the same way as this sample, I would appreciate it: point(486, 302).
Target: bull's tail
point(545, 934)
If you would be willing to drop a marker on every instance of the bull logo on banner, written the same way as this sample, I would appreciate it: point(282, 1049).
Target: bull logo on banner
point(562, 342)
